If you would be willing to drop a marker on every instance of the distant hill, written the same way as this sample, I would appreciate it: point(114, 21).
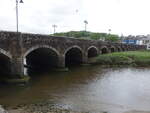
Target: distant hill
point(90, 35)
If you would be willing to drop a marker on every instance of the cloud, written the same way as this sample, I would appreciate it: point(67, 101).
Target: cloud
point(61, 12)
point(38, 16)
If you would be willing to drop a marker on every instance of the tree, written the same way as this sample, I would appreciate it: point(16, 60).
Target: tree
point(112, 38)
point(90, 35)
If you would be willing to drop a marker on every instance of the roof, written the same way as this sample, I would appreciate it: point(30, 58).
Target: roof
point(138, 37)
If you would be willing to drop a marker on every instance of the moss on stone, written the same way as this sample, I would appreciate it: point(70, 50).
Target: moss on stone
point(23, 79)
point(61, 69)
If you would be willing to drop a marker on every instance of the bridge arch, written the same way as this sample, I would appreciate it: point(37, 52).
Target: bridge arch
point(39, 46)
point(119, 49)
point(73, 56)
point(5, 64)
point(92, 51)
point(112, 49)
point(104, 50)
point(41, 57)
point(123, 48)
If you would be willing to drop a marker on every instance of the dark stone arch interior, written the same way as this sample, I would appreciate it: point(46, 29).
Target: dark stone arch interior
point(42, 59)
point(73, 57)
point(119, 49)
point(5, 67)
point(123, 49)
point(104, 50)
point(127, 49)
point(112, 49)
point(92, 52)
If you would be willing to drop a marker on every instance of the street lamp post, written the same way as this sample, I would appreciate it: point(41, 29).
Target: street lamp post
point(86, 22)
point(109, 31)
point(122, 38)
point(54, 26)
point(17, 13)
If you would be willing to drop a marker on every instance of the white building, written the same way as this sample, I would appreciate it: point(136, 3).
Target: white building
point(145, 40)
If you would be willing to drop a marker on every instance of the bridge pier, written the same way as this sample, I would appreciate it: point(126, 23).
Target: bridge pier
point(85, 59)
point(17, 71)
point(61, 64)
point(17, 67)
point(61, 61)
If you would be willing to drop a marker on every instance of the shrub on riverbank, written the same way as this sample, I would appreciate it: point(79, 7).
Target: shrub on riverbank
point(138, 58)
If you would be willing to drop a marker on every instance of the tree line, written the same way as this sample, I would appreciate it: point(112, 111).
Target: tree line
point(90, 35)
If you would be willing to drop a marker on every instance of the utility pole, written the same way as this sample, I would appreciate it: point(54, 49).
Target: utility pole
point(54, 26)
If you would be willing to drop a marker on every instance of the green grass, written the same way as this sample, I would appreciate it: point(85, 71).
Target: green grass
point(139, 58)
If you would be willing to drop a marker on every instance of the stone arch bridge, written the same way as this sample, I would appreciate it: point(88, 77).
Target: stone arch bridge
point(19, 49)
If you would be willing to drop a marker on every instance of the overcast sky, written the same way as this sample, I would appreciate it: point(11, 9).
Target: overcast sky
point(37, 16)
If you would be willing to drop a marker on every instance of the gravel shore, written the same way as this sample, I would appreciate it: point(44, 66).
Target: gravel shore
point(47, 107)
point(42, 107)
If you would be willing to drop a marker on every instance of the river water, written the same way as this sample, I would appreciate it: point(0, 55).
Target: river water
point(91, 88)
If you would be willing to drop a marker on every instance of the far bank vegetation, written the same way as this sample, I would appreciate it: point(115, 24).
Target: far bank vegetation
point(129, 58)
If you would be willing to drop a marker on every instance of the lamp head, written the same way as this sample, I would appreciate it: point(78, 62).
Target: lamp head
point(21, 1)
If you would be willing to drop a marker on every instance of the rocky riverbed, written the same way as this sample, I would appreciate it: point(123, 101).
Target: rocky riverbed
point(41, 107)
point(2, 110)
point(47, 107)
